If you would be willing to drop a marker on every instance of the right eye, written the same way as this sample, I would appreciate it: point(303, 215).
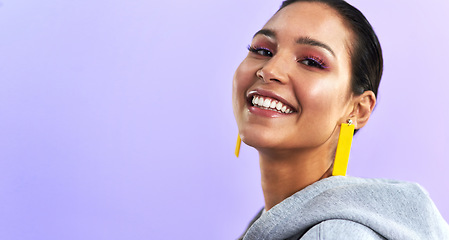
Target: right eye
point(260, 51)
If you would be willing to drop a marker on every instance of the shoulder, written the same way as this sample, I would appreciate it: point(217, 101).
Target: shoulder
point(374, 191)
point(353, 208)
point(389, 208)
point(394, 209)
point(340, 229)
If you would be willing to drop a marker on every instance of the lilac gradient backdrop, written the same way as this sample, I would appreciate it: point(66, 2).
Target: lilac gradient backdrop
point(116, 118)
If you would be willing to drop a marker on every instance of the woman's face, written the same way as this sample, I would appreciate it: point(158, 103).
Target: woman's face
point(292, 91)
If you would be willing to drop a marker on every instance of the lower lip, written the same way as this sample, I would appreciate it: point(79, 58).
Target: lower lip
point(266, 113)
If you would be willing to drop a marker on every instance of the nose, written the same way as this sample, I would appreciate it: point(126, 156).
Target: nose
point(274, 70)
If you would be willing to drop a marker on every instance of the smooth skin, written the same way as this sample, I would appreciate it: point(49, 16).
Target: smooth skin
point(302, 57)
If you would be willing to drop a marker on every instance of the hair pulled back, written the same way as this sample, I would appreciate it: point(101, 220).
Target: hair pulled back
point(365, 50)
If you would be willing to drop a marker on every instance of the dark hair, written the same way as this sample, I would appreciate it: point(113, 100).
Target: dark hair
point(365, 51)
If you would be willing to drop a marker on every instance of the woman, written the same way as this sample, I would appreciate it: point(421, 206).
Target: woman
point(312, 73)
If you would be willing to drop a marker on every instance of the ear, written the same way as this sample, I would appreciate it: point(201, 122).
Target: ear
point(363, 107)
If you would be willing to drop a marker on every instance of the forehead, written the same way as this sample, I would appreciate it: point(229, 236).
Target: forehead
point(314, 20)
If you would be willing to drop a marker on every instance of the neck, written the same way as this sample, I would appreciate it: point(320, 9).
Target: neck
point(284, 174)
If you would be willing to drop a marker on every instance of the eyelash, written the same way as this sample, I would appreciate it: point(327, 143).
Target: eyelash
point(315, 61)
point(257, 50)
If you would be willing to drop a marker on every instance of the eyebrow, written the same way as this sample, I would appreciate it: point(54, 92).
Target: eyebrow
point(302, 40)
point(313, 42)
point(265, 32)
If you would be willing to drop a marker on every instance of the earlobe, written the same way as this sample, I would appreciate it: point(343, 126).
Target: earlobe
point(363, 107)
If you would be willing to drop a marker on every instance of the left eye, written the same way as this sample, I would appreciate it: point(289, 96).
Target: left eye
point(311, 62)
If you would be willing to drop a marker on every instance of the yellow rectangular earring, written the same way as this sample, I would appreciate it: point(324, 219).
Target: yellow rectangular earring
point(237, 145)
point(343, 149)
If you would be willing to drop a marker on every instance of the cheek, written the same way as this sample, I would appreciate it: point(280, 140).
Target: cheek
point(239, 85)
point(321, 107)
point(244, 77)
point(244, 72)
point(323, 98)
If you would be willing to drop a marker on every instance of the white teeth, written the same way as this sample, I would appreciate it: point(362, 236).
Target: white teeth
point(260, 103)
point(279, 106)
point(270, 104)
point(267, 103)
point(283, 109)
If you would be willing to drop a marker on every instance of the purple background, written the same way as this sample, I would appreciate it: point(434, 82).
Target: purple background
point(116, 119)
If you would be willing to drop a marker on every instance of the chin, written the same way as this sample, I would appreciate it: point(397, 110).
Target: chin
point(261, 139)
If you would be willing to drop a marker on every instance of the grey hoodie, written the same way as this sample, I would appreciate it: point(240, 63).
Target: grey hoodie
point(353, 208)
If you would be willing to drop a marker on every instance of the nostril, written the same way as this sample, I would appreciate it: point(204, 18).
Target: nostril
point(265, 76)
point(259, 74)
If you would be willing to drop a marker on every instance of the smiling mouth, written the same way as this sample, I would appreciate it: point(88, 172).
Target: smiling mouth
point(271, 104)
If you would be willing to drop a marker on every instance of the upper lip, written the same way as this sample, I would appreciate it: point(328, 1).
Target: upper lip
point(270, 94)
